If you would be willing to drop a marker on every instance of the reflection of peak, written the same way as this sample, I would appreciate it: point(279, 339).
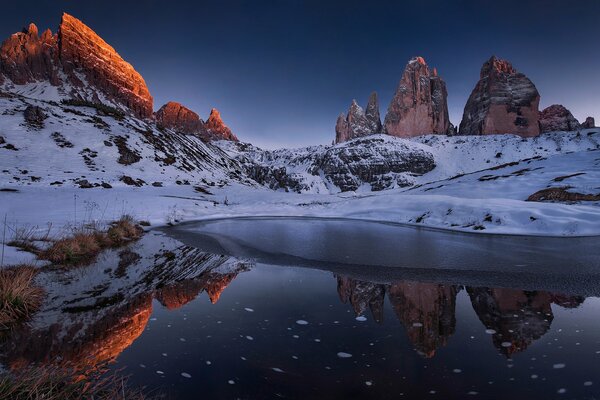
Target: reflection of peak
point(179, 293)
point(362, 294)
point(518, 317)
point(81, 347)
point(216, 283)
point(427, 310)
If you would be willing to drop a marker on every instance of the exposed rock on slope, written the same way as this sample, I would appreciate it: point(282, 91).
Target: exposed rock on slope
point(589, 123)
point(216, 128)
point(557, 118)
point(358, 122)
point(376, 162)
point(76, 61)
point(419, 105)
point(503, 101)
point(175, 116)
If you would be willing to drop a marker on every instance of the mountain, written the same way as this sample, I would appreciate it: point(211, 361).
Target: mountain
point(74, 63)
point(503, 101)
point(419, 105)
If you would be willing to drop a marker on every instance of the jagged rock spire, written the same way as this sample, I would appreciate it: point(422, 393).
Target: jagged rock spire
point(357, 122)
point(420, 103)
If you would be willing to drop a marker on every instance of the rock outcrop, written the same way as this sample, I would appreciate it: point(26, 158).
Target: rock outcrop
point(216, 128)
point(180, 118)
point(503, 101)
point(589, 123)
point(557, 118)
point(77, 60)
point(420, 103)
point(361, 294)
point(358, 122)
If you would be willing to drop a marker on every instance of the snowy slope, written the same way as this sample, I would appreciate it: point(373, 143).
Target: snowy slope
point(80, 146)
point(304, 170)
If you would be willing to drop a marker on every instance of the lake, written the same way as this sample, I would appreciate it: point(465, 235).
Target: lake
point(325, 308)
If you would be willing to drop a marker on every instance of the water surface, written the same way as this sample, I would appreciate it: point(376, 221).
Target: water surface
point(304, 308)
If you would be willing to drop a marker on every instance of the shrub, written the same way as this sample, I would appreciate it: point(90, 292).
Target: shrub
point(20, 297)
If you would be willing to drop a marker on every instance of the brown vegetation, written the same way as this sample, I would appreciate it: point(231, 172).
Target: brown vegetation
point(84, 246)
point(20, 297)
point(51, 383)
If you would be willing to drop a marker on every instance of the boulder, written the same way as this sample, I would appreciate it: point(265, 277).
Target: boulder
point(589, 123)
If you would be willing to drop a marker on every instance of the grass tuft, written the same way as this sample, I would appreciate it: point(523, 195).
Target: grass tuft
point(20, 297)
point(52, 383)
point(83, 247)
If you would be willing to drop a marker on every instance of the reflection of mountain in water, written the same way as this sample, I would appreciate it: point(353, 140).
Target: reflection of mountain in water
point(94, 313)
point(427, 311)
point(518, 317)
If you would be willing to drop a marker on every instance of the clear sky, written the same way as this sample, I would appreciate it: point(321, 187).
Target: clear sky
point(281, 71)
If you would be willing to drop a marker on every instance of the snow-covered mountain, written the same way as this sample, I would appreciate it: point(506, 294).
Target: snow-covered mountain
point(379, 162)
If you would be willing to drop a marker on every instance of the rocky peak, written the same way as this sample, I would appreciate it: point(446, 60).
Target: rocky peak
point(372, 113)
point(180, 118)
point(503, 101)
point(82, 50)
point(358, 123)
point(589, 123)
point(557, 118)
point(91, 69)
point(216, 128)
point(420, 104)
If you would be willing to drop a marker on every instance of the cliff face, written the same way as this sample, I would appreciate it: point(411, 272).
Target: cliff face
point(216, 128)
point(175, 116)
point(420, 103)
point(77, 60)
point(503, 101)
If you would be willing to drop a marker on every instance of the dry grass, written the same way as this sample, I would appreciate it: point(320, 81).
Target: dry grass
point(51, 383)
point(83, 247)
point(19, 295)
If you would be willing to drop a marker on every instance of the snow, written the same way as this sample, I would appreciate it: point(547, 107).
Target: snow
point(479, 184)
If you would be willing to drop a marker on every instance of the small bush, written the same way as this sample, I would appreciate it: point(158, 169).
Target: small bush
point(20, 297)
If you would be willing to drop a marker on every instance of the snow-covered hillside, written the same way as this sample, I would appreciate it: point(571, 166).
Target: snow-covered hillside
point(84, 146)
point(381, 162)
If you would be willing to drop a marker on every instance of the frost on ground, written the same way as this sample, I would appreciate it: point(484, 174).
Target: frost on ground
point(81, 166)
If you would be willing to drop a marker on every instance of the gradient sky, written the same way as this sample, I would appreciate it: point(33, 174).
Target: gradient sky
point(281, 71)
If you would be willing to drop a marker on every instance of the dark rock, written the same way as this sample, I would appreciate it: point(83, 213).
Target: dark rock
point(34, 116)
point(557, 118)
point(589, 123)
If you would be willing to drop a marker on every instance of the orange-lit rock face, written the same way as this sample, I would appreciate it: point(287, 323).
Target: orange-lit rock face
point(216, 128)
point(427, 311)
point(503, 101)
point(180, 293)
point(81, 347)
point(420, 103)
point(215, 283)
point(77, 51)
point(518, 317)
point(82, 49)
point(179, 118)
point(25, 57)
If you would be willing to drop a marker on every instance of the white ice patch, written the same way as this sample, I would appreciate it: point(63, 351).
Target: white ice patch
point(559, 366)
point(302, 322)
point(361, 318)
point(341, 354)
point(249, 309)
point(186, 375)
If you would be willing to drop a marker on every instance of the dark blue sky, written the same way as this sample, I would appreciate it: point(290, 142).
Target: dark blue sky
point(281, 71)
